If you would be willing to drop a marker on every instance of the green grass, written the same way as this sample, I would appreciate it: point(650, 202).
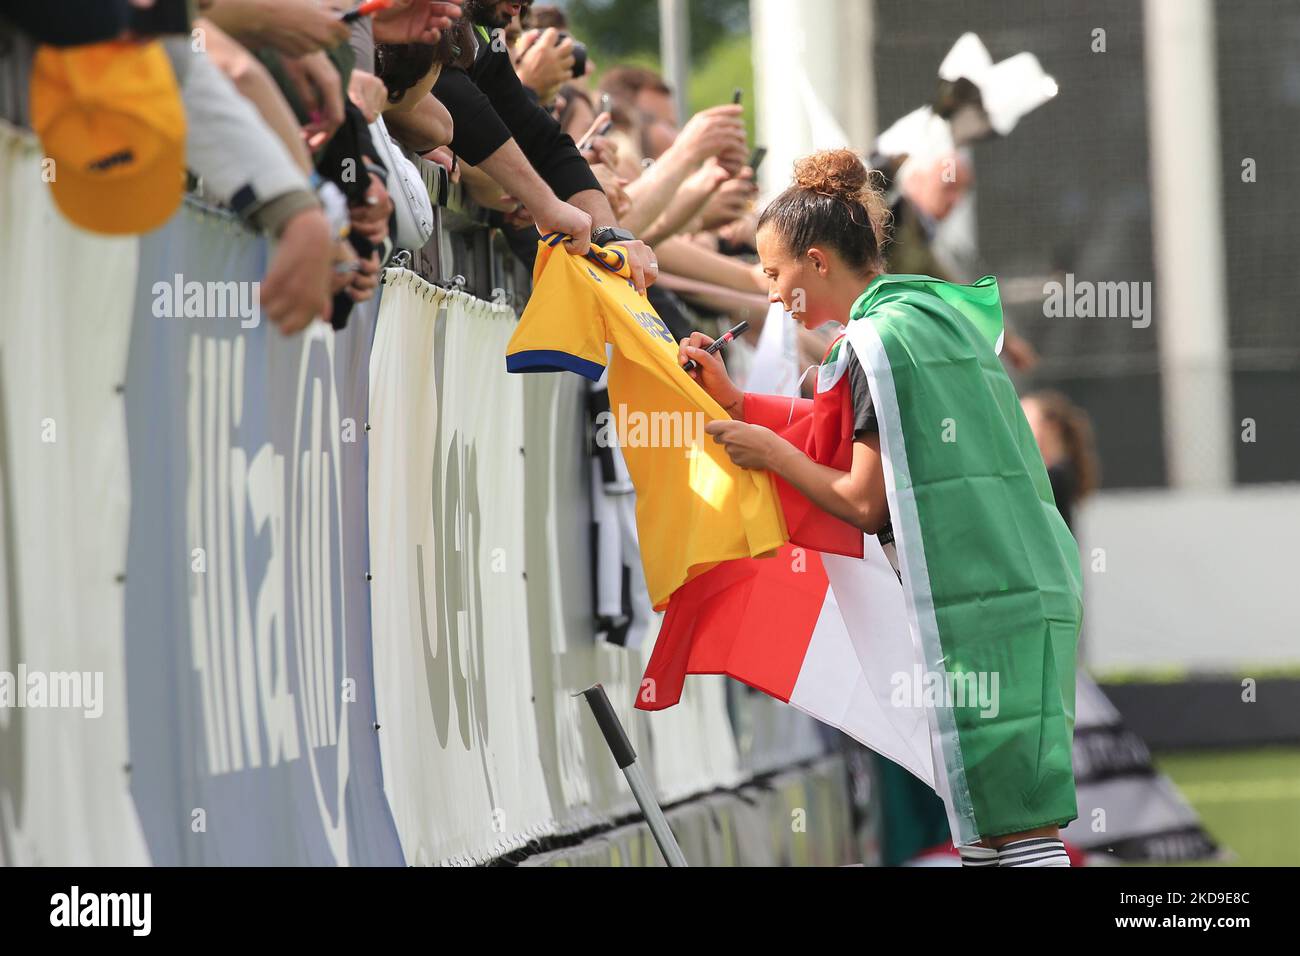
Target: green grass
point(1249, 800)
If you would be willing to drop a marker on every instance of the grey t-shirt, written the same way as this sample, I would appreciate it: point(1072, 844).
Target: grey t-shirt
point(362, 42)
point(864, 417)
point(864, 412)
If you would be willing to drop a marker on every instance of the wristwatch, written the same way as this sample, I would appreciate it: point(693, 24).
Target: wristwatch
point(607, 234)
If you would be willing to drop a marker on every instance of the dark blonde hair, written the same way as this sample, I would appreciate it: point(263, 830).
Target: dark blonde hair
point(545, 16)
point(835, 201)
point(1076, 434)
point(623, 83)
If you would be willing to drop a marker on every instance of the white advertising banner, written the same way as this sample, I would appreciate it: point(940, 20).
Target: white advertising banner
point(64, 782)
point(452, 669)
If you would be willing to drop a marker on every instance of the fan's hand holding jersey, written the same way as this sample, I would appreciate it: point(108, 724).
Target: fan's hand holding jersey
point(695, 507)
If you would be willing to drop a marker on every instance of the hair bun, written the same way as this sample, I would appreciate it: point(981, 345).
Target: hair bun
point(838, 173)
point(841, 174)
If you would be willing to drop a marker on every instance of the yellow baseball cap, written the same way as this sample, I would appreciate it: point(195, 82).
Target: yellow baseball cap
point(111, 118)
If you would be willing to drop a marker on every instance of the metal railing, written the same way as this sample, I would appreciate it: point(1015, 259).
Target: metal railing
point(466, 251)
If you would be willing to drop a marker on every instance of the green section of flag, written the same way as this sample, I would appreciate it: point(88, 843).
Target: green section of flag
point(991, 573)
point(980, 303)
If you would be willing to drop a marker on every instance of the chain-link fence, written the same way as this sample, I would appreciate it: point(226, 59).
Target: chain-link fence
point(1067, 198)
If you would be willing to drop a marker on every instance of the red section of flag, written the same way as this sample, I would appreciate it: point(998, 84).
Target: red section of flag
point(824, 430)
point(750, 619)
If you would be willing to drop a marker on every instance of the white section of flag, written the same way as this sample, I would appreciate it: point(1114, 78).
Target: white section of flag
point(851, 670)
point(774, 369)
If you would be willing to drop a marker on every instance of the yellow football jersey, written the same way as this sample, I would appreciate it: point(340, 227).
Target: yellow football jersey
point(694, 507)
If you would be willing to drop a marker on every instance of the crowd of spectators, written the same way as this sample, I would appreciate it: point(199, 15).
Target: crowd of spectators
point(301, 115)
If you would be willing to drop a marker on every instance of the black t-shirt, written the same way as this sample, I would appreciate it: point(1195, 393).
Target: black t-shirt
point(488, 106)
point(1062, 477)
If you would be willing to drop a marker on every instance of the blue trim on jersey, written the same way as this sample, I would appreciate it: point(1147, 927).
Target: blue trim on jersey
point(596, 257)
point(548, 360)
point(553, 239)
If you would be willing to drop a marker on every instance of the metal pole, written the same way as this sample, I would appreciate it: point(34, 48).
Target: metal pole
point(675, 49)
point(1187, 222)
point(625, 757)
point(794, 55)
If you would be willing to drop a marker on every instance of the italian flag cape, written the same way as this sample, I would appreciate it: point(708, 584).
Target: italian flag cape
point(959, 665)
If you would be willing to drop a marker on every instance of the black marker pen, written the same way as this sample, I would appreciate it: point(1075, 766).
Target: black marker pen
point(691, 365)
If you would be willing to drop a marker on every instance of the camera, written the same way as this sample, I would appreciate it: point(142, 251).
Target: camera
point(579, 55)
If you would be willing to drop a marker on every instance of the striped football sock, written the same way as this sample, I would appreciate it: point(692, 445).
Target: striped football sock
point(974, 855)
point(1038, 851)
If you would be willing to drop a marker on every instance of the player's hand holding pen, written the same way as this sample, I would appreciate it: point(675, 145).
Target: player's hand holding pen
point(699, 356)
